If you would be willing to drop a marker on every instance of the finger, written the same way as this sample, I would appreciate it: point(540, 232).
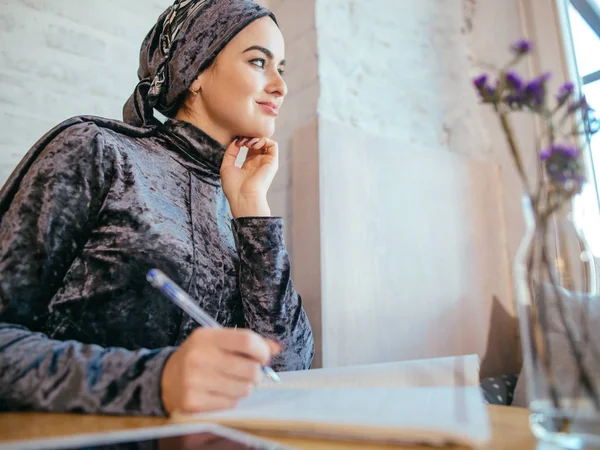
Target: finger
point(243, 141)
point(258, 143)
point(227, 386)
point(241, 368)
point(271, 147)
point(253, 152)
point(231, 154)
point(246, 342)
point(195, 402)
point(252, 142)
point(265, 147)
point(274, 346)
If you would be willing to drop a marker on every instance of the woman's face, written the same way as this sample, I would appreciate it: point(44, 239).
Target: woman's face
point(241, 93)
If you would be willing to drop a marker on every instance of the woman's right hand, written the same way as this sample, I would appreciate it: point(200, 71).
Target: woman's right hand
point(214, 368)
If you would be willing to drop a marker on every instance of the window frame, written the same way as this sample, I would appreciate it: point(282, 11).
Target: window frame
point(547, 24)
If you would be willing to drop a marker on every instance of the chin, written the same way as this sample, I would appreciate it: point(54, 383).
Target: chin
point(259, 130)
point(268, 129)
point(269, 132)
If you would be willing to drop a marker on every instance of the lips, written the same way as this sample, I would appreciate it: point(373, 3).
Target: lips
point(269, 108)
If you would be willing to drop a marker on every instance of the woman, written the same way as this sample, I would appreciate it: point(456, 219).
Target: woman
point(97, 203)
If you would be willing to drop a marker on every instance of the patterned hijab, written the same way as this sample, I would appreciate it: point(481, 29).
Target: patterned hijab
point(183, 43)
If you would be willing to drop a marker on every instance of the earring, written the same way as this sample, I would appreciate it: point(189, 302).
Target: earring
point(195, 93)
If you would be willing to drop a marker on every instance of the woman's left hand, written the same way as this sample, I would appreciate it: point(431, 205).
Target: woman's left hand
point(246, 187)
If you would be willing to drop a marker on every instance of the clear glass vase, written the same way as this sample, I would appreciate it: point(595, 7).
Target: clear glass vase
point(559, 313)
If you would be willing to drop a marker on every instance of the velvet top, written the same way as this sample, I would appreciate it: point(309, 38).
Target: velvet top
point(92, 207)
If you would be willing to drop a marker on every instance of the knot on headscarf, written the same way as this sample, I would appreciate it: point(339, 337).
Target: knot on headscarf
point(137, 110)
point(184, 42)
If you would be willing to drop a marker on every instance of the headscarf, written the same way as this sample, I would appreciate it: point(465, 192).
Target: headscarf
point(182, 44)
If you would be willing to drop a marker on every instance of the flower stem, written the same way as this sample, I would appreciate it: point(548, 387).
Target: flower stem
point(583, 375)
point(513, 149)
point(543, 330)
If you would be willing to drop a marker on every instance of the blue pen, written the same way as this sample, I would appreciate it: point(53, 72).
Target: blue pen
point(178, 296)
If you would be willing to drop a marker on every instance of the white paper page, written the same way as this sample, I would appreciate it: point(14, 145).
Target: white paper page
point(450, 371)
point(432, 415)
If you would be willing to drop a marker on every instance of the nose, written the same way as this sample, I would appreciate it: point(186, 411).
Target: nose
point(277, 85)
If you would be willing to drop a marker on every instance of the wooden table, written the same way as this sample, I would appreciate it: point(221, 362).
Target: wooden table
point(510, 429)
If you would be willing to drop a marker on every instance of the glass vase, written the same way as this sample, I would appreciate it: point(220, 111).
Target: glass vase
point(559, 314)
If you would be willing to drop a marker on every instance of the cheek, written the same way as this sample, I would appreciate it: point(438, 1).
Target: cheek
point(241, 90)
point(250, 83)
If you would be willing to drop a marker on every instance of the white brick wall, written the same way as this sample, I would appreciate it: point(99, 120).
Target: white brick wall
point(398, 69)
point(65, 58)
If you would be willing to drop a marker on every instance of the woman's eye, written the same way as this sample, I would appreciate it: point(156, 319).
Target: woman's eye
point(281, 72)
point(258, 62)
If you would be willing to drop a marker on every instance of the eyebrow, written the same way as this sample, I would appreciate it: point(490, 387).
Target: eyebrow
point(266, 51)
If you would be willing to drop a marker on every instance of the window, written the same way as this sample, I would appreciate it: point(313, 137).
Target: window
point(583, 23)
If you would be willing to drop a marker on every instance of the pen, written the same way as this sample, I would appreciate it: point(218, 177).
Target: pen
point(178, 296)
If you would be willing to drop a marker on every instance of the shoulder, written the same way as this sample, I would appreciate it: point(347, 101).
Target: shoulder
point(75, 150)
point(74, 146)
point(73, 138)
point(87, 132)
point(91, 137)
point(118, 137)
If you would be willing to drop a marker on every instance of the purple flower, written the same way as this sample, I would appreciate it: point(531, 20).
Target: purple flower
point(521, 47)
point(535, 90)
point(559, 150)
point(514, 81)
point(480, 81)
point(562, 165)
point(513, 99)
point(486, 91)
point(562, 175)
point(566, 89)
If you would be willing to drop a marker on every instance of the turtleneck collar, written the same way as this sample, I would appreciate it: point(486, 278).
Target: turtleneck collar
point(198, 151)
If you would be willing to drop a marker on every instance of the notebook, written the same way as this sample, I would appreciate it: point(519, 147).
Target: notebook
point(433, 401)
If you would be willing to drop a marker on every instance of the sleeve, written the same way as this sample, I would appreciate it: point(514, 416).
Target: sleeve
point(272, 307)
point(37, 373)
point(41, 233)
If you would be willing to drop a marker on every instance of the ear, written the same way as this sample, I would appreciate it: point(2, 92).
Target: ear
point(196, 86)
